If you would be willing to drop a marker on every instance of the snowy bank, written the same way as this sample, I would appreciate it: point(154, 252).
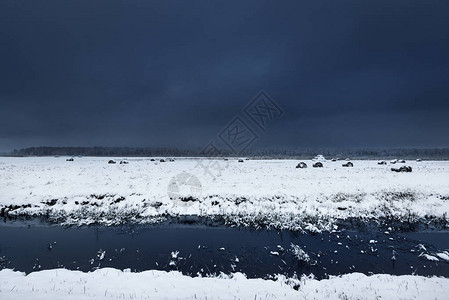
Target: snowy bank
point(112, 283)
point(269, 192)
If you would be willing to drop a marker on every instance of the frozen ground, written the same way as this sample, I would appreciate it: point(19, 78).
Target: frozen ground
point(112, 283)
point(268, 192)
point(254, 192)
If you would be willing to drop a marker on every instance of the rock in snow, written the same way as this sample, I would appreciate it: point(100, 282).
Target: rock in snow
point(301, 165)
point(402, 169)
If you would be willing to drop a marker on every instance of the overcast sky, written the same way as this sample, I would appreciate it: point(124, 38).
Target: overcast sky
point(175, 73)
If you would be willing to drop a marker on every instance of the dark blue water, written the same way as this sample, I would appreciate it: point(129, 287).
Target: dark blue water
point(211, 250)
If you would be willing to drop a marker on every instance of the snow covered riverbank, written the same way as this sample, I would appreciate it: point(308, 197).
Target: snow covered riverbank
point(112, 283)
point(269, 192)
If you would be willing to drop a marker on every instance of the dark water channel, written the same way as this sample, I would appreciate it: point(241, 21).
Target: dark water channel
point(210, 250)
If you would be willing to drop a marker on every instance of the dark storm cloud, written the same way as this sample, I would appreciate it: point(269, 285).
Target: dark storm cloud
point(173, 73)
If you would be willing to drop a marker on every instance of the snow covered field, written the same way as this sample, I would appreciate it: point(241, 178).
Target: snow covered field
point(112, 283)
point(252, 192)
point(270, 192)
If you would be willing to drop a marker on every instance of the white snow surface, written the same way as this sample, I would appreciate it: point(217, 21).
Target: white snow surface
point(110, 283)
point(270, 190)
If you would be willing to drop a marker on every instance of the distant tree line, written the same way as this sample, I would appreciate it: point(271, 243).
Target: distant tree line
point(102, 151)
point(304, 153)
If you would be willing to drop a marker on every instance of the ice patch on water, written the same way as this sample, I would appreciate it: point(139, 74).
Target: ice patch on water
point(299, 253)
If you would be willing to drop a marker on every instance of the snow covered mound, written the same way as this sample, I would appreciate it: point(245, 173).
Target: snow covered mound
point(270, 192)
point(112, 283)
